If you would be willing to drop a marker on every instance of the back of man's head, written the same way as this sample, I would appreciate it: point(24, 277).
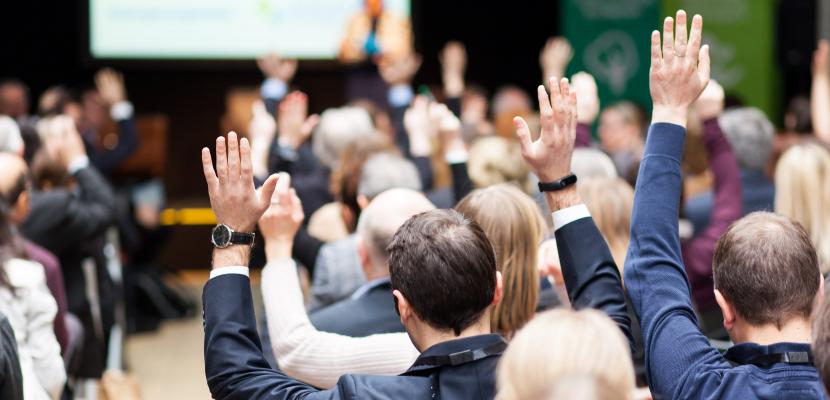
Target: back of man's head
point(382, 218)
point(384, 171)
point(11, 140)
point(338, 128)
point(445, 267)
point(14, 185)
point(766, 266)
point(750, 133)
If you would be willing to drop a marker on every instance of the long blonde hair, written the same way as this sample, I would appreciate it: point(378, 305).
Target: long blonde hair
point(610, 201)
point(560, 343)
point(514, 225)
point(802, 192)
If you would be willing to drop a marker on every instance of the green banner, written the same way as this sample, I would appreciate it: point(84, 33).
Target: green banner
point(741, 38)
point(611, 40)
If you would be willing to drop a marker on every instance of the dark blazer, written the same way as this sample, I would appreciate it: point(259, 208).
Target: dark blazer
point(11, 379)
point(370, 313)
point(236, 369)
point(71, 224)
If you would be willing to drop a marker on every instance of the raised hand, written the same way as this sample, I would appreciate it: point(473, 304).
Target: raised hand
point(453, 66)
point(549, 157)
point(821, 58)
point(275, 67)
point(400, 71)
point(110, 85)
point(280, 223)
point(555, 56)
point(420, 127)
point(449, 129)
point(233, 197)
point(680, 71)
point(294, 124)
point(261, 131)
point(587, 98)
point(711, 102)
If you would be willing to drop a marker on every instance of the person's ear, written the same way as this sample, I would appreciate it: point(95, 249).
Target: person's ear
point(402, 306)
point(363, 255)
point(21, 208)
point(362, 201)
point(727, 309)
point(497, 295)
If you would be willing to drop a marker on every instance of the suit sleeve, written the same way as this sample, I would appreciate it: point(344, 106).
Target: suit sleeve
point(234, 365)
point(92, 212)
point(591, 275)
point(654, 272)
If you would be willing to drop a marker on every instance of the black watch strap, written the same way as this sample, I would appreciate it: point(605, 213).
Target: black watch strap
point(243, 238)
point(557, 185)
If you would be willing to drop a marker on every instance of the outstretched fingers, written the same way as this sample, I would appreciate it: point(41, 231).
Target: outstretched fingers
point(668, 39)
point(523, 134)
point(681, 36)
point(545, 109)
point(210, 175)
point(703, 65)
point(656, 56)
point(266, 192)
point(233, 157)
point(696, 38)
point(221, 160)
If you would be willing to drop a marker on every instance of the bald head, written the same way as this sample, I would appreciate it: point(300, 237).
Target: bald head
point(382, 218)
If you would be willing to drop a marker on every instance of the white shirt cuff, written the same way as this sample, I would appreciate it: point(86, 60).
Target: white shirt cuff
point(457, 156)
point(121, 110)
point(567, 215)
point(228, 270)
point(77, 164)
point(274, 89)
point(400, 95)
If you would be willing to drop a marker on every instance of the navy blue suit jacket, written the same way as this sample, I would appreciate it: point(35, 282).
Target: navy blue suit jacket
point(236, 369)
point(371, 313)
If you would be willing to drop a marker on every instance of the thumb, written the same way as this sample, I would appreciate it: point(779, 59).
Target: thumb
point(523, 134)
point(266, 191)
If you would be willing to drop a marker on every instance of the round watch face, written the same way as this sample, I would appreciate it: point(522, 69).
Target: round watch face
point(221, 236)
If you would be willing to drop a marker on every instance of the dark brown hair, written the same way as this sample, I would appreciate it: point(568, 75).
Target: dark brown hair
point(445, 266)
point(767, 267)
point(821, 341)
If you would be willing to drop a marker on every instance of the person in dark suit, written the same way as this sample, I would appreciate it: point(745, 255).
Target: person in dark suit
point(371, 308)
point(71, 223)
point(442, 269)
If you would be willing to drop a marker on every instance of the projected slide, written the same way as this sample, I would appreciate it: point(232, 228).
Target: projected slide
point(244, 29)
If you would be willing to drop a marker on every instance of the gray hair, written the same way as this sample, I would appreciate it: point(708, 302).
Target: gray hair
point(10, 139)
point(384, 171)
point(750, 132)
point(338, 128)
point(592, 163)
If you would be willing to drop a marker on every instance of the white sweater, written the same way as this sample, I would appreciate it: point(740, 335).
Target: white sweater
point(31, 312)
point(320, 358)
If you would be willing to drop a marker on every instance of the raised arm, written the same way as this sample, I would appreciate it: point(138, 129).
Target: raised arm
point(820, 92)
point(587, 105)
point(590, 273)
point(318, 358)
point(654, 274)
point(727, 208)
point(453, 66)
point(398, 75)
point(555, 57)
point(278, 73)
point(110, 85)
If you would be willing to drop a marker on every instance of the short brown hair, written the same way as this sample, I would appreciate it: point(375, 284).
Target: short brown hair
point(767, 267)
point(445, 267)
point(821, 341)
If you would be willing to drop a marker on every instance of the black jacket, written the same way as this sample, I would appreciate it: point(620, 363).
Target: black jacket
point(370, 313)
point(11, 379)
point(235, 368)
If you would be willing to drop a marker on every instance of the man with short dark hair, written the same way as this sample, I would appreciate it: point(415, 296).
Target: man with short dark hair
point(766, 273)
point(443, 271)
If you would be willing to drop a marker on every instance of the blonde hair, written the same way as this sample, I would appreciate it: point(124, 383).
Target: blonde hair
point(495, 160)
point(610, 201)
point(560, 343)
point(802, 192)
point(514, 225)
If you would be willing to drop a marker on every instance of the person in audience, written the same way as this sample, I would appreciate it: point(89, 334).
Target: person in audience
point(11, 141)
point(444, 276)
point(14, 102)
point(512, 222)
point(821, 341)
point(71, 224)
point(767, 316)
point(590, 163)
point(750, 134)
point(496, 160)
point(621, 136)
point(370, 309)
point(562, 343)
point(610, 200)
point(802, 180)
point(11, 379)
point(31, 309)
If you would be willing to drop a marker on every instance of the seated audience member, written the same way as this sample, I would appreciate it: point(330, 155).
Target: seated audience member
point(30, 308)
point(71, 223)
point(337, 268)
point(767, 316)
point(444, 276)
point(621, 135)
point(11, 140)
point(11, 379)
point(563, 343)
point(750, 134)
point(496, 160)
point(802, 179)
point(15, 191)
point(14, 102)
point(370, 309)
point(512, 222)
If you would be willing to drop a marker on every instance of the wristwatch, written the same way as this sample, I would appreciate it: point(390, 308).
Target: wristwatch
point(223, 236)
point(557, 185)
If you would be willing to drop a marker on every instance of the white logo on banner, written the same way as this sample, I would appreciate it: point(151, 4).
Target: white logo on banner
point(613, 59)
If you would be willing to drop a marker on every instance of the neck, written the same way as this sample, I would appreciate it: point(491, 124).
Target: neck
point(431, 336)
point(797, 330)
